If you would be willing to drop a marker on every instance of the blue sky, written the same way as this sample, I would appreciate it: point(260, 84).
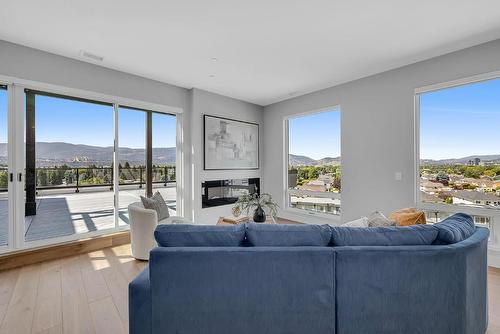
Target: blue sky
point(60, 120)
point(315, 135)
point(460, 121)
point(454, 123)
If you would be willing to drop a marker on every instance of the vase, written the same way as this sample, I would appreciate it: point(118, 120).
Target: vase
point(259, 216)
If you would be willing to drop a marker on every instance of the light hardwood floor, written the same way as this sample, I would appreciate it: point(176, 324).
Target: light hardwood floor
point(88, 294)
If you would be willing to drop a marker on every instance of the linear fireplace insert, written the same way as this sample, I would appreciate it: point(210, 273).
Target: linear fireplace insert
point(223, 192)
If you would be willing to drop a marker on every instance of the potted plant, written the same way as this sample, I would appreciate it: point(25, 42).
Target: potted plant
point(258, 204)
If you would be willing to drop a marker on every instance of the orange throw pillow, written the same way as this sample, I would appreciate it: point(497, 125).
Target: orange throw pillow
point(407, 217)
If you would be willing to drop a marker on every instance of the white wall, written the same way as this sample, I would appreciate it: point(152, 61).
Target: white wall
point(377, 129)
point(35, 65)
point(31, 64)
point(204, 102)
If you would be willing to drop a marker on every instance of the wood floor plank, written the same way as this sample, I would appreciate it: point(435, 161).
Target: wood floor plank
point(52, 330)
point(19, 316)
point(93, 280)
point(106, 317)
point(48, 308)
point(75, 308)
point(8, 280)
point(118, 285)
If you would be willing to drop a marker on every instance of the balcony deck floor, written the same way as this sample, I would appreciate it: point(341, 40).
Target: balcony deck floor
point(64, 214)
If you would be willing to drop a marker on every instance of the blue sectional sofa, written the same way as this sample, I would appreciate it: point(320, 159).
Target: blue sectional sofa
point(263, 278)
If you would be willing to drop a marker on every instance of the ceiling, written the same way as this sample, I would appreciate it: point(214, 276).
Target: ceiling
point(265, 50)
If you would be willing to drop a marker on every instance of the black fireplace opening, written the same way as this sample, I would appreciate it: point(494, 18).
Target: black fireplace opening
point(224, 192)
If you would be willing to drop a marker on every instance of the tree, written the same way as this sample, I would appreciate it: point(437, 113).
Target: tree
point(41, 177)
point(443, 178)
point(3, 179)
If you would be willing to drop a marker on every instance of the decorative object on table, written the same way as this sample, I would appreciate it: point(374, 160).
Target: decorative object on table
point(230, 144)
point(235, 219)
point(257, 203)
point(408, 216)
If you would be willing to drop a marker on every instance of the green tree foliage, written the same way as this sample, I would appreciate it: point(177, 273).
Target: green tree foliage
point(3, 179)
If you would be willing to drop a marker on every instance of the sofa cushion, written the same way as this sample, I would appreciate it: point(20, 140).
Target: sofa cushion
point(454, 229)
point(408, 217)
point(384, 236)
point(283, 235)
point(378, 219)
point(361, 222)
point(156, 203)
point(182, 235)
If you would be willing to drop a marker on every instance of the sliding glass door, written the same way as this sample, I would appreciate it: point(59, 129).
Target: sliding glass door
point(4, 167)
point(164, 158)
point(131, 159)
point(146, 157)
point(69, 166)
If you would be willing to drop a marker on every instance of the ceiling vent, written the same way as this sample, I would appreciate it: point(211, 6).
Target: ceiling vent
point(91, 56)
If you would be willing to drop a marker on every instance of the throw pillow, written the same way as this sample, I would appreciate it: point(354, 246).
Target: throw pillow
point(455, 228)
point(158, 204)
point(361, 222)
point(377, 219)
point(407, 217)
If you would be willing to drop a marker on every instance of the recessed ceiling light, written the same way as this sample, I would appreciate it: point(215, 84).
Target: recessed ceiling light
point(91, 56)
point(214, 59)
point(211, 75)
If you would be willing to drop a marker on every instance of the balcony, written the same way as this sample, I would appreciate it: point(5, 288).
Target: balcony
point(79, 200)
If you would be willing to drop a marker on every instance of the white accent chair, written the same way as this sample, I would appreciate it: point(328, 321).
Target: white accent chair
point(142, 226)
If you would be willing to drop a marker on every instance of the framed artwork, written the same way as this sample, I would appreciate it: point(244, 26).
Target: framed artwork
point(230, 144)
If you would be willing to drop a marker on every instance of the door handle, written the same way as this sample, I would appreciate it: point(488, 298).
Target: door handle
point(20, 177)
point(11, 177)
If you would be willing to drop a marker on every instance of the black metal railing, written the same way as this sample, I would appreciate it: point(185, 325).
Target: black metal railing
point(87, 177)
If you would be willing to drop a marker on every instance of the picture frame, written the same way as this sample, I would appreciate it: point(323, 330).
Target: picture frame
point(230, 144)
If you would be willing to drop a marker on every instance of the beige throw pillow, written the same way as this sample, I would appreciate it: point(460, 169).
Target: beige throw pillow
point(377, 219)
point(156, 203)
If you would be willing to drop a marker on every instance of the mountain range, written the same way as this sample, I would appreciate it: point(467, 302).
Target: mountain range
point(302, 160)
point(492, 159)
point(77, 155)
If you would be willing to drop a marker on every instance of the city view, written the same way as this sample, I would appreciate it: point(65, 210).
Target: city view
point(459, 147)
point(314, 167)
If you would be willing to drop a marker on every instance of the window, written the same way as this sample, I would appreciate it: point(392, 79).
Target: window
point(459, 152)
point(314, 175)
point(4, 168)
point(459, 146)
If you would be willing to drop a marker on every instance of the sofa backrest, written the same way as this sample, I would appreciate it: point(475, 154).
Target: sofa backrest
point(384, 236)
point(452, 230)
point(280, 235)
point(183, 235)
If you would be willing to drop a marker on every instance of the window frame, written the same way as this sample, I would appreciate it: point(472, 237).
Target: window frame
point(494, 214)
point(288, 209)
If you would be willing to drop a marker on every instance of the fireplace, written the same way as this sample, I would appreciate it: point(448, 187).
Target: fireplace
point(223, 192)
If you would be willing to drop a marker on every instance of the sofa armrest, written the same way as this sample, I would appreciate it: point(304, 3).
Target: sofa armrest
point(139, 300)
